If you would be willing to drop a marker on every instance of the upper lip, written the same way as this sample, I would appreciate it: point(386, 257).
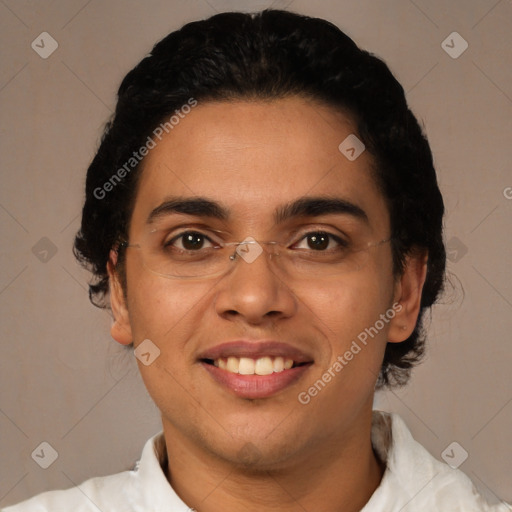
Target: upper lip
point(255, 350)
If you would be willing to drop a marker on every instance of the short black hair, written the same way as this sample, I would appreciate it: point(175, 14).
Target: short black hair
point(270, 55)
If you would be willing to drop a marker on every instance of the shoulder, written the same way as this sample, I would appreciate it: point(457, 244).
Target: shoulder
point(100, 493)
point(144, 489)
point(134, 490)
point(414, 479)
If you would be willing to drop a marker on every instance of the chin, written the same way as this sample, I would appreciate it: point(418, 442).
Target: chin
point(260, 454)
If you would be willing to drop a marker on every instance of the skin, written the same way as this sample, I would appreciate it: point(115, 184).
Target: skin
point(229, 453)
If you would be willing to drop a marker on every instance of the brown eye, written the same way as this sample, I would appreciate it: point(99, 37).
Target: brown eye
point(192, 241)
point(320, 241)
point(188, 241)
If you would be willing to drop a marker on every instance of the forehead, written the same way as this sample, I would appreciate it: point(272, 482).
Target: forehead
point(254, 156)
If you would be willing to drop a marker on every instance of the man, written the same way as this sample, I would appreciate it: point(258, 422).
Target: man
point(264, 219)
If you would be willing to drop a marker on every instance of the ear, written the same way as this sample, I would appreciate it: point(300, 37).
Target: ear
point(121, 329)
point(407, 296)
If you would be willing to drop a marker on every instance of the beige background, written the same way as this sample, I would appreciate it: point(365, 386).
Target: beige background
point(65, 382)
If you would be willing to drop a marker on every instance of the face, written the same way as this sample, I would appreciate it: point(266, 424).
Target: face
point(271, 171)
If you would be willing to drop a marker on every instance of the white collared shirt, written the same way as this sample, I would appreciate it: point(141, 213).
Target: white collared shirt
point(413, 481)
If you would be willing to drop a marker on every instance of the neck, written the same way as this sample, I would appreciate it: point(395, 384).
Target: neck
point(338, 474)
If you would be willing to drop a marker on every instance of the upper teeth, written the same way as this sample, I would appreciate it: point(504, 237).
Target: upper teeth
point(248, 366)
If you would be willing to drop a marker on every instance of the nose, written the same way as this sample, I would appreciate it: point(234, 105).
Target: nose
point(254, 291)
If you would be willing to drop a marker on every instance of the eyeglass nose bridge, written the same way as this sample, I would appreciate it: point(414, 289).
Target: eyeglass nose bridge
point(255, 253)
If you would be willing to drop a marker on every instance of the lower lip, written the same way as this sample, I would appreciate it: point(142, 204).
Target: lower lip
point(256, 386)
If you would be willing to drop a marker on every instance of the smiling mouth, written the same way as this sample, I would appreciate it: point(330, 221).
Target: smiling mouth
point(255, 369)
point(266, 365)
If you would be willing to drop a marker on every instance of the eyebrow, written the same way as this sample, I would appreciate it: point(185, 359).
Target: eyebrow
point(197, 206)
point(316, 206)
point(303, 207)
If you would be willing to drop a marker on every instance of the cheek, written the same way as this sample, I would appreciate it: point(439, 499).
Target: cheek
point(167, 312)
point(162, 309)
point(348, 307)
point(346, 310)
point(349, 310)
